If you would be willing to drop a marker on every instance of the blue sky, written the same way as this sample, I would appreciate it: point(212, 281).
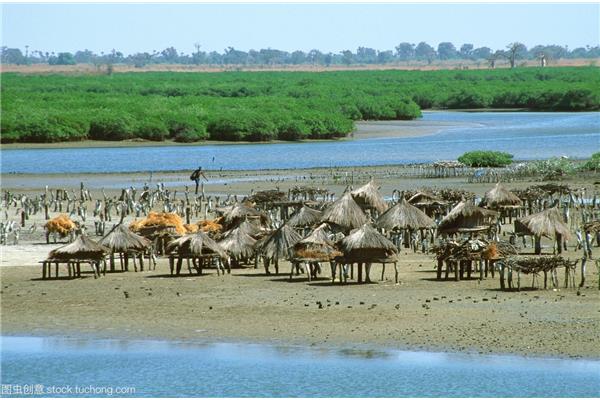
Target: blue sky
point(327, 27)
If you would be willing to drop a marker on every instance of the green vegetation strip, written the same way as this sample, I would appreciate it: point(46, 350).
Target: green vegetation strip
point(261, 106)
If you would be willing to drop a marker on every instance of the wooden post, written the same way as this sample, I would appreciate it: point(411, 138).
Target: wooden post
point(502, 277)
point(44, 270)
point(171, 264)
point(360, 271)
point(383, 272)
point(395, 272)
point(179, 263)
point(538, 245)
point(440, 264)
point(456, 270)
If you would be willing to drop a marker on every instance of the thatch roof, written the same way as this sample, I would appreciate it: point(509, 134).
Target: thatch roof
point(424, 198)
point(82, 248)
point(366, 244)
point(368, 197)
point(500, 196)
point(238, 243)
point(279, 243)
point(306, 216)
point(233, 216)
point(466, 217)
point(267, 196)
point(404, 216)
point(196, 244)
point(544, 223)
point(316, 246)
point(366, 238)
point(345, 213)
point(120, 240)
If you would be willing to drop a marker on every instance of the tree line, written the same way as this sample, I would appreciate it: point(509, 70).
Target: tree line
point(403, 52)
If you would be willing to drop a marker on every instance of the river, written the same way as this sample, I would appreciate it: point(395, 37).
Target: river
point(527, 135)
point(159, 368)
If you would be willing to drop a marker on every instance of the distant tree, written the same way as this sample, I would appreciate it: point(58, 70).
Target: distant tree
point(328, 59)
point(169, 54)
point(199, 56)
point(514, 52)
point(273, 56)
point(579, 52)
point(139, 60)
point(466, 50)
point(405, 51)
point(446, 51)
point(347, 57)
point(366, 55)
point(298, 57)
point(62, 59)
point(214, 58)
point(84, 57)
point(481, 53)
point(233, 56)
point(423, 51)
point(315, 57)
point(385, 57)
point(12, 56)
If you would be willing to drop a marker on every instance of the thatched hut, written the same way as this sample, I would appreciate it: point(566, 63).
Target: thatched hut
point(345, 214)
point(430, 204)
point(367, 246)
point(304, 219)
point(503, 200)
point(313, 250)
point(278, 245)
point(238, 244)
point(467, 218)
point(81, 250)
point(547, 223)
point(402, 220)
point(369, 198)
point(239, 212)
point(198, 248)
point(126, 244)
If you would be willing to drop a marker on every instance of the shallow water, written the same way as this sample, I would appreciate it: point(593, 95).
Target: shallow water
point(527, 135)
point(159, 368)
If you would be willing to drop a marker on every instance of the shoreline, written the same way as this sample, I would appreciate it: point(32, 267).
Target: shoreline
point(364, 130)
point(355, 348)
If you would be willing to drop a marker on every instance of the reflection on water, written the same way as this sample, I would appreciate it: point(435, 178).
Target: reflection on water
point(571, 134)
point(161, 368)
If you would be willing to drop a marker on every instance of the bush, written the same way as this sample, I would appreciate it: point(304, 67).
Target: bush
point(482, 158)
point(41, 128)
point(292, 130)
point(112, 127)
point(152, 130)
point(593, 164)
point(190, 136)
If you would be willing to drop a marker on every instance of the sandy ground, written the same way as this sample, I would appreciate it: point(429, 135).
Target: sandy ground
point(419, 313)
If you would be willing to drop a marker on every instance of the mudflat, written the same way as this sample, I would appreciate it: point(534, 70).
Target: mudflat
point(248, 305)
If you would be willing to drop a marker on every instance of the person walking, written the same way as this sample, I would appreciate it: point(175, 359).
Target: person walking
point(196, 177)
